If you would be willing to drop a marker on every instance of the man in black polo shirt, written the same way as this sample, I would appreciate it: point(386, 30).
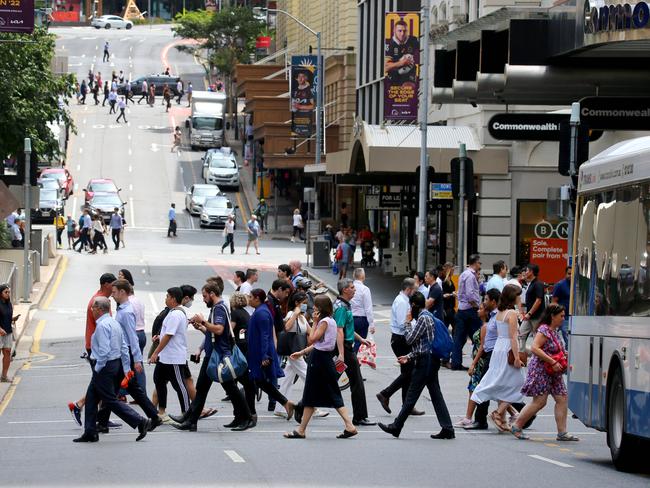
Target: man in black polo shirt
point(535, 305)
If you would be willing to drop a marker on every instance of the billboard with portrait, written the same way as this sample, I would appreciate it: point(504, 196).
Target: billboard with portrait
point(401, 66)
point(304, 79)
point(17, 16)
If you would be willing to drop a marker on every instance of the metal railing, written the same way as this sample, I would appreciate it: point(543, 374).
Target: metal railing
point(8, 275)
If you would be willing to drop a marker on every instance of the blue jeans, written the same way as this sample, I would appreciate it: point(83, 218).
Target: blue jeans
point(565, 333)
point(467, 322)
point(141, 377)
point(360, 327)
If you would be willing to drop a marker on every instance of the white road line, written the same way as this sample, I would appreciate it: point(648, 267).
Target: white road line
point(124, 39)
point(74, 207)
point(92, 67)
point(132, 211)
point(236, 458)
point(78, 167)
point(130, 168)
point(128, 137)
point(192, 222)
point(130, 151)
point(173, 121)
point(42, 421)
point(552, 461)
point(82, 135)
point(81, 150)
point(143, 271)
point(153, 302)
point(84, 120)
point(130, 186)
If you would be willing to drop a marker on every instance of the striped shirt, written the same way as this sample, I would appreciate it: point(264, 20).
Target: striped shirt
point(420, 335)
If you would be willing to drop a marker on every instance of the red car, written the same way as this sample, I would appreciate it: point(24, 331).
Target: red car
point(64, 177)
point(103, 185)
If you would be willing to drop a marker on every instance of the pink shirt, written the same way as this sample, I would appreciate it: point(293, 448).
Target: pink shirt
point(328, 341)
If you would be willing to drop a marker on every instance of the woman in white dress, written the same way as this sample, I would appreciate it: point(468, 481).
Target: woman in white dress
point(503, 381)
point(298, 225)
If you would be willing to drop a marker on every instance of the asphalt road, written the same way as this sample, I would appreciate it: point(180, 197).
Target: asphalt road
point(36, 430)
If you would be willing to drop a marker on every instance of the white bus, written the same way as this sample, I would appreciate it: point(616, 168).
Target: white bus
point(609, 346)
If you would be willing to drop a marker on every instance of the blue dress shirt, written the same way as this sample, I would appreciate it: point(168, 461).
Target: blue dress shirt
point(107, 344)
point(125, 316)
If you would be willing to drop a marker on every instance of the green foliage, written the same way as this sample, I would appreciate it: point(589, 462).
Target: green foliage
point(152, 20)
point(30, 93)
point(5, 235)
point(227, 36)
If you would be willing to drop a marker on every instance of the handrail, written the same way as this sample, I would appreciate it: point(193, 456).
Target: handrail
point(271, 57)
point(8, 276)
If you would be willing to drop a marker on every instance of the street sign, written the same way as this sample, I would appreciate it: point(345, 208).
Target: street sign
point(440, 191)
point(17, 16)
point(391, 200)
point(616, 113)
point(526, 126)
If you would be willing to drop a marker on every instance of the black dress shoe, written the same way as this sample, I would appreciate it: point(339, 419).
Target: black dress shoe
point(476, 426)
point(187, 425)
point(364, 422)
point(179, 419)
point(87, 438)
point(383, 401)
point(143, 428)
point(155, 422)
point(102, 429)
point(444, 434)
point(254, 420)
point(417, 412)
point(389, 429)
point(225, 399)
point(245, 425)
point(232, 424)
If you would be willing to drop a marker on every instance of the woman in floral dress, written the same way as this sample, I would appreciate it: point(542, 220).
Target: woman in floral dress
point(539, 382)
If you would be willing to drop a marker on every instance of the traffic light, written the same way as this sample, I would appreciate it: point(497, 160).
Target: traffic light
point(470, 192)
point(431, 174)
point(33, 167)
point(564, 156)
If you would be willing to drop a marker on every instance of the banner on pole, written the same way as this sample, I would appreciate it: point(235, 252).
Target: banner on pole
point(304, 80)
point(401, 65)
point(17, 16)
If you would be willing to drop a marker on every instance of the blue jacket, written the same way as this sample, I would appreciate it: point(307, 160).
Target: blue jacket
point(261, 346)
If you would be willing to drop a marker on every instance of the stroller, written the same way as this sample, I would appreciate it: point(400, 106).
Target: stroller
point(368, 254)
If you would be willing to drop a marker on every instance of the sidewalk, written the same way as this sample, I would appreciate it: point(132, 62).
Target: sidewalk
point(26, 310)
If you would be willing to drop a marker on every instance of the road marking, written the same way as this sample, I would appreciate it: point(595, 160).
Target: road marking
point(78, 167)
point(130, 186)
point(124, 39)
point(55, 285)
point(131, 208)
point(236, 458)
point(83, 134)
point(74, 207)
point(42, 421)
point(191, 221)
point(81, 150)
point(552, 461)
point(153, 301)
point(9, 395)
point(92, 67)
point(130, 168)
point(241, 206)
point(84, 120)
point(130, 151)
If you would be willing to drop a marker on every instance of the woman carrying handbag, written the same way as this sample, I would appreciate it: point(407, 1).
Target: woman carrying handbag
point(545, 372)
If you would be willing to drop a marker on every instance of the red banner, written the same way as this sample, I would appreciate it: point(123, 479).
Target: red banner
point(263, 42)
point(551, 257)
point(62, 16)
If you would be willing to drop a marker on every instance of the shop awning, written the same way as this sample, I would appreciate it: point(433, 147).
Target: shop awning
point(393, 148)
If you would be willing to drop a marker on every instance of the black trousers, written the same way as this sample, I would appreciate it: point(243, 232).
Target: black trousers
point(203, 385)
point(144, 96)
point(357, 390)
point(400, 348)
point(106, 57)
point(59, 233)
point(82, 241)
point(425, 374)
point(98, 240)
point(121, 116)
point(250, 393)
point(113, 104)
point(229, 242)
point(102, 388)
point(171, 373)
point(115, 235)
point(172, 228)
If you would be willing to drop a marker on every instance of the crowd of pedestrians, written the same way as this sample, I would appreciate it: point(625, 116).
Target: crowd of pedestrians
point(265, 341)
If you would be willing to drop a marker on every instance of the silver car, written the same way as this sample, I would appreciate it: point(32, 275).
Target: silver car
point(220, 167)
point(195, 198)
point(216, 211)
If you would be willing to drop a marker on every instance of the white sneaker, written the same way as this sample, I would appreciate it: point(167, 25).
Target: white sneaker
point(165, 419)
point(320, 413)
point(293, 239)
point(464, 422)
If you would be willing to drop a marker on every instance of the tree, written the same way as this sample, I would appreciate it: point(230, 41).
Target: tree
point(32, 95)
point(223, 39)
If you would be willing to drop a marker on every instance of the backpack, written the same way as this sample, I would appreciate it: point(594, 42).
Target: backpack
point(442, 344)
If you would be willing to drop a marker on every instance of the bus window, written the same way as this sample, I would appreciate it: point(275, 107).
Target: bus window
point(641, 307)
point(604, 240)
point(584, 258)
point(623, 269)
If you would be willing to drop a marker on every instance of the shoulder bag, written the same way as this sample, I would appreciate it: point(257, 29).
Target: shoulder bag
point(290, 342)
point(224, 368)
point(558, 357)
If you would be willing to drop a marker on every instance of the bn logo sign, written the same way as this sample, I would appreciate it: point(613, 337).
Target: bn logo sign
point(546, 230)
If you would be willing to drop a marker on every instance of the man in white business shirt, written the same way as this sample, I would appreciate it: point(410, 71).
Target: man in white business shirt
point(361, 305)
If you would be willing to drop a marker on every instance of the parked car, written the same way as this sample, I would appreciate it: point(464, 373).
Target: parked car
point(104, 204)
point(111, 21)
point(63, 176)
point(50, 203)
point(104, 185)
point(195, 198)
point(158, 80)
point(215, 211)
point(220, 168)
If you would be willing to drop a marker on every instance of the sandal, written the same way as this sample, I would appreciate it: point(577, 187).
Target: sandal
point(346, 434)
point(565, 436)
point(498, 422)
point(4, 379)
point(294, 435)
point(208, 413)
point(518, 433)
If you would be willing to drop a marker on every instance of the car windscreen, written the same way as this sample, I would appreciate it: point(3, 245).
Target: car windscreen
point(103, 186)
point(48, 195)
point(207, 123)
point(205, 191)
point(49, 183)
point(221, 162)
point(58, 175)
point(217, 203)
point(105, 200)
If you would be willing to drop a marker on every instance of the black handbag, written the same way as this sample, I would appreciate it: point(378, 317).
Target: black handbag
point(290, 342)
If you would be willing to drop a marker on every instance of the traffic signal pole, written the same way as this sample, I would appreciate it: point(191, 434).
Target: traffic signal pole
point(27, 280)
point(424, 161)
point(574, 121)
point(462, 156)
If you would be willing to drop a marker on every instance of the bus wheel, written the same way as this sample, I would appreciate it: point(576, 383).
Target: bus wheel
point(621, 445)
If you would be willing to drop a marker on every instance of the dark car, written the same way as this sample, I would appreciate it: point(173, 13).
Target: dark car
point(159, 80)
point(104, 204)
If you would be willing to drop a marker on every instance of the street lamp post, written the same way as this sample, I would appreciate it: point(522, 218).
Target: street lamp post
point(319, 98)
point(27, 280)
